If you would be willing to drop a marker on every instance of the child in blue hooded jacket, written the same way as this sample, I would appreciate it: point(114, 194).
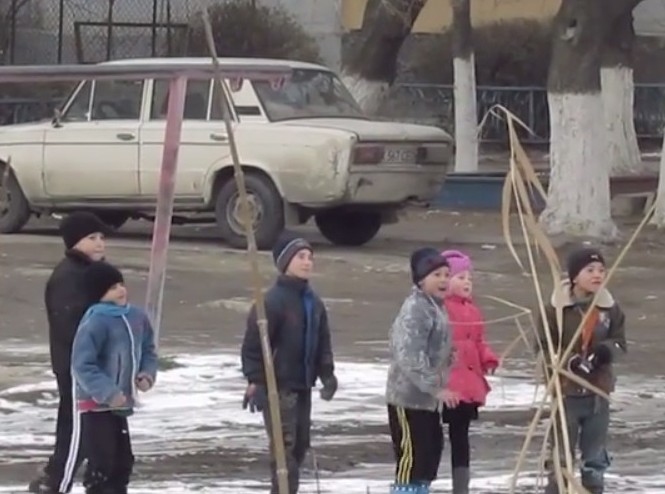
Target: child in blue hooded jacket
point(113, 356)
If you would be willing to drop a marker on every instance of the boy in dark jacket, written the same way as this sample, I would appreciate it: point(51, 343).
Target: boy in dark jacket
point(113, 355)
point(603, 339)
point(66, 301)
point(301, 348)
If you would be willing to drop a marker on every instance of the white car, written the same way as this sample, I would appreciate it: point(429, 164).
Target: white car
point(306, 147)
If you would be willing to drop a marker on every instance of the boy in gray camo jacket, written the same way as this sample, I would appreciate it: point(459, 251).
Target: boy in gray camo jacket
point(421, 351)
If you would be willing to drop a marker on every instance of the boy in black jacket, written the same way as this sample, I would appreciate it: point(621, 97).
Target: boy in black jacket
point(301, 348)
point(66, 301)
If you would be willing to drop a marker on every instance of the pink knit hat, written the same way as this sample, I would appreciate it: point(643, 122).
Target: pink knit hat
point(458, 261)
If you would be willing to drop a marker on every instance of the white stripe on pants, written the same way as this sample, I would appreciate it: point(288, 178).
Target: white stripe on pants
point(74, 444)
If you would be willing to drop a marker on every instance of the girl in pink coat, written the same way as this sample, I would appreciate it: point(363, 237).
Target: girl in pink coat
point(474, 359)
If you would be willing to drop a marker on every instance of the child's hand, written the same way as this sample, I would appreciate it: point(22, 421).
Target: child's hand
point(143, 382)
point(449, 398)
point(118, 401)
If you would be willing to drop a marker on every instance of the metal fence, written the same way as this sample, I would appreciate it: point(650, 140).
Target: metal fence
point(434, 104)
point(88, 31)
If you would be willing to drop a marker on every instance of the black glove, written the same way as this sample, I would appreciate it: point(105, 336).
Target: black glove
point(580, 365)
point(601, 355)
point(256, 400)
point(329, 388)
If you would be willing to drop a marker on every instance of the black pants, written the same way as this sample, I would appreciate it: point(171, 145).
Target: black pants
point(108, 448)
point(65, 460)
point(296, 414)
point(417, 438)
point(458, 420)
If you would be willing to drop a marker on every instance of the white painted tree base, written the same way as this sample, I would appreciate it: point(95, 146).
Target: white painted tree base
point(658, 218)
point(618, 89)
point(369, 94)
point(578, 200)
point(466, 115)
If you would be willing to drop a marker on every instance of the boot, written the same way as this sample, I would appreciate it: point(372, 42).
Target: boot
point(461, 478)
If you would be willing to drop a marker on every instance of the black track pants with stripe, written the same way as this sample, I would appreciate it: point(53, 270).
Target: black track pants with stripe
point(417, 437)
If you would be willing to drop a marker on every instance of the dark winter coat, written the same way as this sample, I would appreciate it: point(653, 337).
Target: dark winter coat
point(66, 302)
point(299, 337)
point(610, 332)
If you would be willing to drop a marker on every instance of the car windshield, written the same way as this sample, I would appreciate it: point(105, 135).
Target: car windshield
point(307, 94)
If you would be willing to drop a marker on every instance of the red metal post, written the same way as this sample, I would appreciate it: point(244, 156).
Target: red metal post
point(162, 229)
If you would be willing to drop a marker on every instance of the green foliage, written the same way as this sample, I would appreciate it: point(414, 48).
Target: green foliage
point(243, 29)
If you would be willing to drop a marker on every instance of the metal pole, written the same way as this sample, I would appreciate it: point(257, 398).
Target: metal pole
point(271, 382)
point(12, 32)
point(61, 28)
point(162, 230)
point(154, 29)
point(109, 31)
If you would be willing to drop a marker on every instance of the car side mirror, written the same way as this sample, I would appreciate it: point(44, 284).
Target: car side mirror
point(57, 115)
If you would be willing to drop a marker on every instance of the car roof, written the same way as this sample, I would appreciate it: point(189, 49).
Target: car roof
point(292, 64)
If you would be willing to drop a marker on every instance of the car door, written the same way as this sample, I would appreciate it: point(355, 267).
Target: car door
point(93, 153)
point(202, 142)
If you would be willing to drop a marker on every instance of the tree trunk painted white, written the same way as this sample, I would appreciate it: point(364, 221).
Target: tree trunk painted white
point(618, 90)
point(579, 196)
point(466, 115)
point(658, 218)
point(369, 94)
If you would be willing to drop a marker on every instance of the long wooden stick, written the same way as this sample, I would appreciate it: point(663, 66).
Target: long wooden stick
point(271, 382)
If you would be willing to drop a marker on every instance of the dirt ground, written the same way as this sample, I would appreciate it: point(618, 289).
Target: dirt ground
point(207, 296)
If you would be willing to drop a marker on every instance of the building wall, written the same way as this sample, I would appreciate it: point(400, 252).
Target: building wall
point(437, 14)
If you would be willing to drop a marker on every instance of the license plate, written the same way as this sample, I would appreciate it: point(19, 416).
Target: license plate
point(400, 155)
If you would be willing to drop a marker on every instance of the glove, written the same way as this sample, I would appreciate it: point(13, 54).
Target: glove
point(580, 365)
point(329, 388)
point(601, 355)
point(143, 382)
point(255, 398)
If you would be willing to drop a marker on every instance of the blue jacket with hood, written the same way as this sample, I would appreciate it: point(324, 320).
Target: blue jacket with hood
point(112, 347)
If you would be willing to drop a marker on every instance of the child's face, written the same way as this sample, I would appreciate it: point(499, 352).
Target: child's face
point(117, 294)
point(436, 282)
point(92, 246)
point(461, 284)
point(301, 265)
point(591, 277)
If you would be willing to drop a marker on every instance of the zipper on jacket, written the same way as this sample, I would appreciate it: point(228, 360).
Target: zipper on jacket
point(132, 349)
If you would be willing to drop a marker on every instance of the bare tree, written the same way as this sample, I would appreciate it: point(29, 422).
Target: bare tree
point(578, 202)
point(372, 68)
point(464, 73)
point(618, 88)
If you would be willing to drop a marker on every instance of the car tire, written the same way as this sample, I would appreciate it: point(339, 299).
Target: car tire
point(114, 219)
point(348, 228)
point(15, 213)
point(271, 210)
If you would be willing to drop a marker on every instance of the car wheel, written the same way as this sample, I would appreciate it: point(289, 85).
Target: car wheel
point(114, 219)
point(266, 207)
point(14, 207)
point(350, 228)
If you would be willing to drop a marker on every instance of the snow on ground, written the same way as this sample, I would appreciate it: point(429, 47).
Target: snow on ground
point(196, 405)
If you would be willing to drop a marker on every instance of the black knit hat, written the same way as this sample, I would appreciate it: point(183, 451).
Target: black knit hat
point(79, 225)
point(286, 247)
point(580, 258)
point(99, 277)
point(424, 261)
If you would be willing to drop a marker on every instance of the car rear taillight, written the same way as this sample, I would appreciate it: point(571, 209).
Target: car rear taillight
point(368, 155)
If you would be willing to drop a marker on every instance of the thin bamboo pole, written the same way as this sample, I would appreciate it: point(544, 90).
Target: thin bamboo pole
point(271, 382)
